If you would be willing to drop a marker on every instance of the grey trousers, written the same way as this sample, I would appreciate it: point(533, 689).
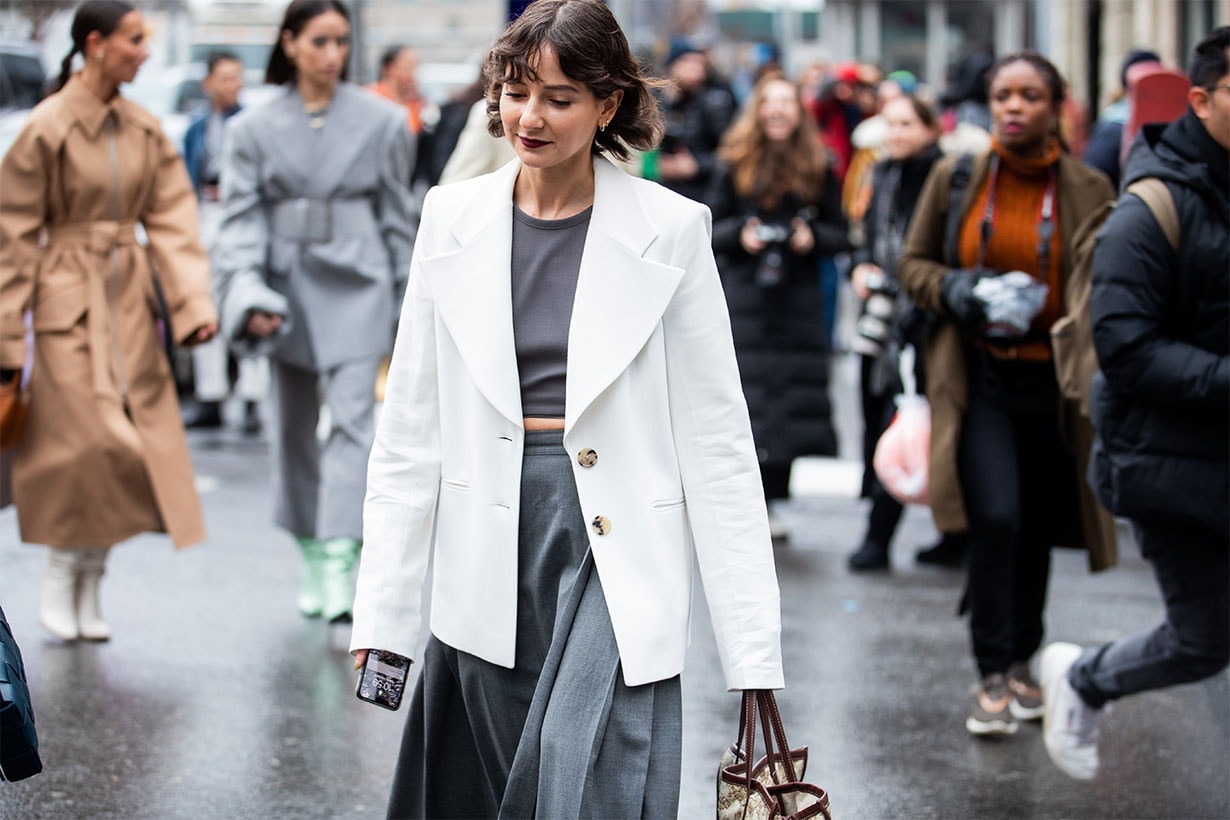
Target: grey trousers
point(559, 735)
point(1193, 573)
point(319, 485)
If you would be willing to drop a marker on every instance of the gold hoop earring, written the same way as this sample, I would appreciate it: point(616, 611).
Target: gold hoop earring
point(602, 126)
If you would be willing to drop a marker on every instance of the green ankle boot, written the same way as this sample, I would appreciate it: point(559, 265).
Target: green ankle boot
point(340, 555)
point(311, 598)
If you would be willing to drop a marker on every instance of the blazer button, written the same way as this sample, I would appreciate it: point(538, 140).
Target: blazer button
point(601, 524)
point(587, 457)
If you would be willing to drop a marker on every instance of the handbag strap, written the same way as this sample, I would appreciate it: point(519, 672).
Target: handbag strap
point(775, 734)
point(747, 735)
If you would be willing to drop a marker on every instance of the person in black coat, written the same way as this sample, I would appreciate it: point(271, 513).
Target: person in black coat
point(776, 209)
point(1161, 406)
point(698, 107)
point(888, 320)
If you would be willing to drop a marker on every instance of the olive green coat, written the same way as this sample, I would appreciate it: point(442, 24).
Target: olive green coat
point(922, 266)
point(102, 455)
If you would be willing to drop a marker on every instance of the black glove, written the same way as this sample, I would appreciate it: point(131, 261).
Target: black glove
point(957, 294)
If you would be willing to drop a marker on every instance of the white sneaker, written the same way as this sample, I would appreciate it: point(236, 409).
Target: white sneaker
point(1069, 725)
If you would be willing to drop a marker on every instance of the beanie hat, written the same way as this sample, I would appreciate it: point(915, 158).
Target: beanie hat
point(1136, 55)
point(680, 46)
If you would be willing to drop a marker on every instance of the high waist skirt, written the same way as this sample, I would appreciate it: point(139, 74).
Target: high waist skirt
point(559, 735)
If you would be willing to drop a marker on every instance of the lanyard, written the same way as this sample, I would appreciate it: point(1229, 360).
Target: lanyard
point(1046, 218)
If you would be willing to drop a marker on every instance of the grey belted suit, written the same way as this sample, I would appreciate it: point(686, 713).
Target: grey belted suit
point(317, 227)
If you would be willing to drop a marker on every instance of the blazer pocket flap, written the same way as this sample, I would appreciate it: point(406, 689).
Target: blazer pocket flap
point(60, 310)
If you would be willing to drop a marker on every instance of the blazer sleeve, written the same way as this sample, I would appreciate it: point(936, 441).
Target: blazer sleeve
point(403, 479)
point(24, 178)
point(170, 221)
point(242, 246)
point(921, 268)
point(394, 208)
point(720, 472)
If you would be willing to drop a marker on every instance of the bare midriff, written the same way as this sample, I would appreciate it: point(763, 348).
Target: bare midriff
point(532, 424)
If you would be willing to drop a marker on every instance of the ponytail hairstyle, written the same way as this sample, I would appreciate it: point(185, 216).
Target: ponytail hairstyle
point(299, 13)
point(102, 16)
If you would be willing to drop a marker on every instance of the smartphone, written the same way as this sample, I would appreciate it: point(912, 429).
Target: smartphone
point(382, 680)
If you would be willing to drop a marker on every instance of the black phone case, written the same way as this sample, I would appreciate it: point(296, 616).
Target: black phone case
point(380, 687)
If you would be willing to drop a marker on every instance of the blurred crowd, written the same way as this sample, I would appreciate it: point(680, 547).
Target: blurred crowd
point(846, 175)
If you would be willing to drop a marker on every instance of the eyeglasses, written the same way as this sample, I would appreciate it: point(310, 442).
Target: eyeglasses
point(1212, 89)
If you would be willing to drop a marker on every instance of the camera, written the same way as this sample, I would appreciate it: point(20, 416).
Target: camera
point(771, 271)
point(875, 323)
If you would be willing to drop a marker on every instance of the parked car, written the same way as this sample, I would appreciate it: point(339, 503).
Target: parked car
point(22, 76)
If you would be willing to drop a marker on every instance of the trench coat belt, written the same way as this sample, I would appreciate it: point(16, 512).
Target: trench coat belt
point(101, 237)
point(318, 220)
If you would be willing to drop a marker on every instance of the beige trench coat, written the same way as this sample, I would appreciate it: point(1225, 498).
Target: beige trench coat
point(1081, 190)
point(102, 455)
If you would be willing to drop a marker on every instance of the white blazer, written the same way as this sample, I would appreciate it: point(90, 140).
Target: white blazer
point(653, 391)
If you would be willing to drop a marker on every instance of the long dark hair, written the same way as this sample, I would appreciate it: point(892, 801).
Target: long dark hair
point(768, 172)
point(298, 14)
point(592, 50)
point(102, 16)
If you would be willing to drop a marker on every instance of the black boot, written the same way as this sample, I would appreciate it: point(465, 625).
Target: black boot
point(948, 552)
point(202, 415)
point(869, 556)
point(251, 419)
point(882, 521)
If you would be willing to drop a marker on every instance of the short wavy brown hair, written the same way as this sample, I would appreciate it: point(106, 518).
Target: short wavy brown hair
point(592, 50)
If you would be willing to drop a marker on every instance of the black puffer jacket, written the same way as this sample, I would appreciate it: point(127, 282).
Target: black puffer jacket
point(1161, 326)
point(779, 330)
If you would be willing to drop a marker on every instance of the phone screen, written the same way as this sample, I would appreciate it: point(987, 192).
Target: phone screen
point(383, 679)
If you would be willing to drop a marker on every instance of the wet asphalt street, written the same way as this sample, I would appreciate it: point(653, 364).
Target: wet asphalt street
point(215, 699)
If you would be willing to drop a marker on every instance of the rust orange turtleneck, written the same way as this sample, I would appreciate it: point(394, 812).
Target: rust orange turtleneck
point(1019, 190)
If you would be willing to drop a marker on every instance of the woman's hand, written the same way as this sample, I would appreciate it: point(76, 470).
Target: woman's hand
point(859, 276)
point(360, 658)
point(749, 239)
point(202, 335)
point(261, 324)
point(678, 165)
point(802, 240)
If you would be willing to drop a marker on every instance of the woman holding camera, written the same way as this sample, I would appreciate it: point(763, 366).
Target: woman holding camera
point(563, 435)
point(776, 210)
point(1007, 455)
point(888, 321)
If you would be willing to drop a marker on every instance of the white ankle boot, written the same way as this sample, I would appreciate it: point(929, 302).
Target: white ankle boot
point(90, 624)
point(58, 608)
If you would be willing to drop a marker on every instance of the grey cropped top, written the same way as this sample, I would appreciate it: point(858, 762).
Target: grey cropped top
point(546, 259)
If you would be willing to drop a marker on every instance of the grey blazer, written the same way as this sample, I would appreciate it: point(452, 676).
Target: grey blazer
point(317, 227)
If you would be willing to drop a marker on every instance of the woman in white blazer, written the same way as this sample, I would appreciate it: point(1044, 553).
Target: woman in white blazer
point(563, 421)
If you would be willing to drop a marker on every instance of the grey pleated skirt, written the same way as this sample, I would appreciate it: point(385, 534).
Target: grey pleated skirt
point(559, 735)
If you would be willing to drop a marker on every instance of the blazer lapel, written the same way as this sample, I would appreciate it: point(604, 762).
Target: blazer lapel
point(283, 135)
point(472, 287)
point(620, 296)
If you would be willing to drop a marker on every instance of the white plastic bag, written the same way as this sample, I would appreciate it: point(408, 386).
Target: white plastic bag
point(904, 450)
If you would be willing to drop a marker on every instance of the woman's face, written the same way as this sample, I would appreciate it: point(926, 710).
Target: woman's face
point(779, 110)
point(551, 120)
point(907, 134)
point(125, 49)
point(320, 50)
point(1022, 109)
